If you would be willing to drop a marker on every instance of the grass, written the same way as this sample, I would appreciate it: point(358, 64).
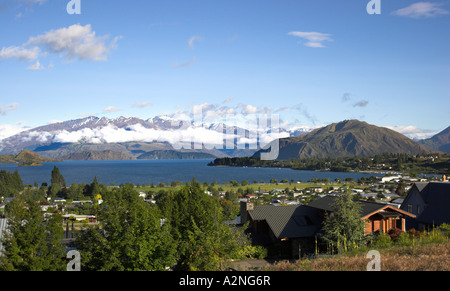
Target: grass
point(429, 257)
point(409, 252)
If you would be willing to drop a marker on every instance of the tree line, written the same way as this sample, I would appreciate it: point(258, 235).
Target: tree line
point(387, 161)
point(184, 230)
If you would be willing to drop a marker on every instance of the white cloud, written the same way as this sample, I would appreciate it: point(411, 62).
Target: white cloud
point(54, 121)
point(313, 39)
point(249, 109)
point(110, 109)
point(7, 130)
point(75, 42)
point(228, 100)
point(193, 39)
point(32, 1)
point(362, 103)
point(185, 64)
point(19, 52)
point(421, 9)
point(412, 131)
point(179, 138)
point(142, 104)
point(9, 107)
point(36, 67)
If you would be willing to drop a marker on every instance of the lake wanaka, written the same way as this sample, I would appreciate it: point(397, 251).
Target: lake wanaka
point(165, 171)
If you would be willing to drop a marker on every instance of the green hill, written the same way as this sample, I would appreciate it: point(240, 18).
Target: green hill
point(345, 139)
point(24, 158)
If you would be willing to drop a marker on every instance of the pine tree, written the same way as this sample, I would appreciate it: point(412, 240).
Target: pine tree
point(344, 229)
point(131, 236)
point(204, 241)
point(57, 178)
point(32, 241)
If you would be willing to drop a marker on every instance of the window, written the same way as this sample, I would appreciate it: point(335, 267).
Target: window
point(409, 208)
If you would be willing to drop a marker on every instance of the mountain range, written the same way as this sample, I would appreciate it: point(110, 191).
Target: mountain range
point(344, 139)
point(133, 138)
point(94, 138)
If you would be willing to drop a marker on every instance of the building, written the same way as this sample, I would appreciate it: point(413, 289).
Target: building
point(430, 203)
point(77, 217)
point(286, 231)
point(292, 231)
point(378, 217)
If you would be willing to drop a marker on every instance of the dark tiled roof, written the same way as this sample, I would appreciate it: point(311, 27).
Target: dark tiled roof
point(290, 221)
point(437, 200)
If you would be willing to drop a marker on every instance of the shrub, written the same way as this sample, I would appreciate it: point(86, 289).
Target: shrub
point(403, 239)
point(252, 252)
point(383, 240)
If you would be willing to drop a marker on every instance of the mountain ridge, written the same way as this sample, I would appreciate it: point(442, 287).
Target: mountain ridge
point(440, 141)
point(346, 138)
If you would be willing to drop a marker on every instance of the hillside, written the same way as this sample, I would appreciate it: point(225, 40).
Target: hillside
point(427, 257)
point(97, 156)
point(171, 154)
point(439, 142)
point(345, 139)
point(24, 158)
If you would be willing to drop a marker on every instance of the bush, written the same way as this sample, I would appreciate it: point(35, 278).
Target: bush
point(403, 239)
point(252, 252)
point(444, 226)
point(383, 240)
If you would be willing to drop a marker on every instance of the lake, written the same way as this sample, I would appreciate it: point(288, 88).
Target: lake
point(165, 171)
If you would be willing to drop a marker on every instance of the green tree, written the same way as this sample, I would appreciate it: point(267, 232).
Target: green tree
point(57, 178)
point(10, 184)
point(132, 236)
point(75, 192)
point(344, 229)
point(204, 241)
point(32, 242)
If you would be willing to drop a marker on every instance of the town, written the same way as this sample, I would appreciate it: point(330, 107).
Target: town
point(281, 219)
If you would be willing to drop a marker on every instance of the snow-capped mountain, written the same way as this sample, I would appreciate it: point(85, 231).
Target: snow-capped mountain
point(135, 136)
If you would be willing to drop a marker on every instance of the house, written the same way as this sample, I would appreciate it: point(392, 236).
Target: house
point(378, 217)
point(293, 230)
point(59, 200)
point(316, 189)
point(390, 179)
point(81, 217)
point(287, 231)
point(430, 202)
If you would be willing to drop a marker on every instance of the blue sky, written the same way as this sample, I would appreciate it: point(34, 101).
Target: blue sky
point(311, 62)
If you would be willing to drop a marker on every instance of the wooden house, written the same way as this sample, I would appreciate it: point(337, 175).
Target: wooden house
point(378, 217)
point(292, 230)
